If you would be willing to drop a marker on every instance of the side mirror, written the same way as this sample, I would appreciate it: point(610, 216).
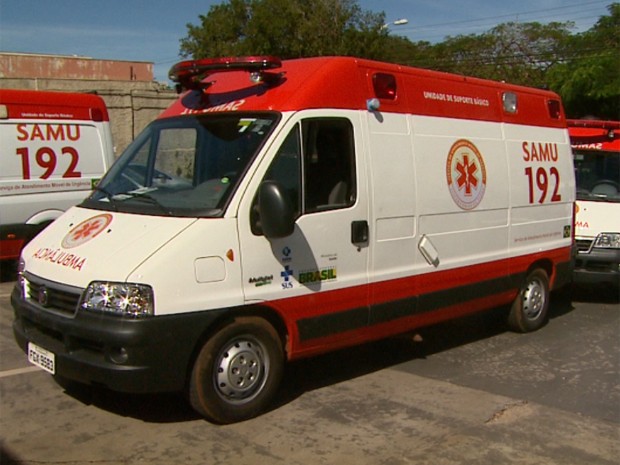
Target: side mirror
point(276, 213)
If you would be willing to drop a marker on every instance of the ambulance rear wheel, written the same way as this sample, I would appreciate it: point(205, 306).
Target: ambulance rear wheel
point(529, 310)
point(237, 371)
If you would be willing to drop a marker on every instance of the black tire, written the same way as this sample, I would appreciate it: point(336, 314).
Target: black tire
point(237, 371)
point(529, 310)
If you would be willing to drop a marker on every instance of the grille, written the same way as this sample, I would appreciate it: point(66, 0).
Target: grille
point(53, 296)
point(583, 245)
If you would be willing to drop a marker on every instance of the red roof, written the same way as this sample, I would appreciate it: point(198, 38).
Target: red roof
point(595, 134)
point(36, 104)
point(347, 83)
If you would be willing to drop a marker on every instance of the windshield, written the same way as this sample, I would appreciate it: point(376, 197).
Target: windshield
point(186, 166)
point(598, 175)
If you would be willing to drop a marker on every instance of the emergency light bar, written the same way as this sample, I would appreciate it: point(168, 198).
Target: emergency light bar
point(189, 74)
point(586, 123)
point(594, 129)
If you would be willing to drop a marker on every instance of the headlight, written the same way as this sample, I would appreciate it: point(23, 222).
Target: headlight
point(608, 241)
point(21, 267)
point(124, 299)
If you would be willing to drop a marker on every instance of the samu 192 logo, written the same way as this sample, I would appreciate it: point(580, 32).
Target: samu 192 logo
point(466, 174)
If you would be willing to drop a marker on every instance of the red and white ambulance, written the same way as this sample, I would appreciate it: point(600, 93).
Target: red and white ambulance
point(54, 147)
point(280, 210)
point(596, 148)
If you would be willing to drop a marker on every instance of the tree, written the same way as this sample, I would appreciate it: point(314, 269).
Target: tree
point(583, 68)
point(399, 49)
point(520, 53)
point(286, 28)
point(221, 32)
point(589, 78)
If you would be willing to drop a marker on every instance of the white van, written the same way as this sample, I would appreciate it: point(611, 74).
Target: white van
point(596, 148)
point(280, 210)
point(54, 147)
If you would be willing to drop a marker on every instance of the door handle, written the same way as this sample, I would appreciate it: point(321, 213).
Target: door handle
point(359, 233)
point(429, 252)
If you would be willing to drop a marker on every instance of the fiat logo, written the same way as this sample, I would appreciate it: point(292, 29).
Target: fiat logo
point(43, 296)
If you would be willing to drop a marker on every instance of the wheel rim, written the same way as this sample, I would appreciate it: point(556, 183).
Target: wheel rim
point(534, 299)
point(241, 370)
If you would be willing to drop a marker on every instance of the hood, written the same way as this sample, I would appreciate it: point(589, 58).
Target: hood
point(85, 245)
point(593, 218)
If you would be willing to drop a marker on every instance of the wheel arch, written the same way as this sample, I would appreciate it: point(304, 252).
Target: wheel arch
point(544, 264)
point(263, 312)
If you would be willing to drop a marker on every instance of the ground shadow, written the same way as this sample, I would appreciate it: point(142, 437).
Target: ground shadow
point(8, 272)
point(7, 458)
point(151, 408)
point(595, 293)
point(336, 367)
point(317, 372)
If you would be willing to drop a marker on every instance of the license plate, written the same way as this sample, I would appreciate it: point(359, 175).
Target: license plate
point(41, 358)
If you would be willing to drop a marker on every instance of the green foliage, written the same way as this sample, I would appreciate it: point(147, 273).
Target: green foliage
point(221, 32)
point(589, 78)
point(583, 68)
point(286, 28)
point(520, 53)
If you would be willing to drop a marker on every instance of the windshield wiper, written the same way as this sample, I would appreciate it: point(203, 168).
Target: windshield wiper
point(108, 195)
point(598, 197)
point(145, 195)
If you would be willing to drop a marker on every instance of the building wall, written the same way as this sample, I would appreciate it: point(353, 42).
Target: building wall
point(30, 65)
point(132, 103)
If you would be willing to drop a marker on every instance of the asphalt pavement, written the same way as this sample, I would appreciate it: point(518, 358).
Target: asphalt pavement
point(464, 392)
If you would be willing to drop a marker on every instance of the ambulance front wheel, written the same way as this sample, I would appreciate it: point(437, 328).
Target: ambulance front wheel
point(237, 372)
point(529, 309)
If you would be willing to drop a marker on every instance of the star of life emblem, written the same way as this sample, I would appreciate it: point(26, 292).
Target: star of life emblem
point(86, 230)
point(466, 174)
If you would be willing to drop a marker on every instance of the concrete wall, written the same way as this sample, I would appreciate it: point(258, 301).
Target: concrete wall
point(130, 111)
point(131, 104)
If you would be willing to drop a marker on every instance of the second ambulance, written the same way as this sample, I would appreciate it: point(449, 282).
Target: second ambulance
point(596, 147)
point(282, 209)
point(54, 147)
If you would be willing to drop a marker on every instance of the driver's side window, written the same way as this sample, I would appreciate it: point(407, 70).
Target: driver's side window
point(328, 164)
point(315, 166)
point(286, 171)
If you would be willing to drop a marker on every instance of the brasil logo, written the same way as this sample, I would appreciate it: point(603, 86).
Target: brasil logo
point(466, 174)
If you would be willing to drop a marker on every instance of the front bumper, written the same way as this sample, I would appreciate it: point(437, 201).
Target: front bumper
point(129, 355)
point(597, 266)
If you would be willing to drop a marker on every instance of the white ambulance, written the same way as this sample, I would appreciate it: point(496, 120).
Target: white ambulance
point(54, 146)
point(596, 147)
point(280, 210)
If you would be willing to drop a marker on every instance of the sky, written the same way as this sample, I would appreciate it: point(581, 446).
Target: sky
point(151, 30)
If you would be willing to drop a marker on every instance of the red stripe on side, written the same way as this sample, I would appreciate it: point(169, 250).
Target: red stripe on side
point(438, 281)
point(294, 309)
point(402, 325)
